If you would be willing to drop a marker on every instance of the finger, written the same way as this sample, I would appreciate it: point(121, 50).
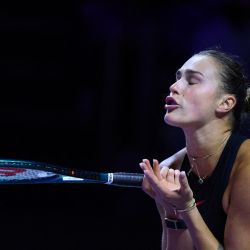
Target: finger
point(145, 165)
point(156, 184)
point(146, 187)
point(183, 181)
point(164, 172)
point(170, 176)
point(153, 171)
point(148, 172)
point(150, 176)
point(177, 177)
point(142, 166)
point(155, 178)
point(156, 169)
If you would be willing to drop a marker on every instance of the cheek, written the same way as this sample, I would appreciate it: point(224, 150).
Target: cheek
point(202, 104)
point(192, 101)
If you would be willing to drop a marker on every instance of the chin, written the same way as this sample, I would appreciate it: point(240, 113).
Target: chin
point(175, 121)
point(171, 121)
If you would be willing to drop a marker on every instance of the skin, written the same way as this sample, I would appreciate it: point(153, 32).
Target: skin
point(204, 112)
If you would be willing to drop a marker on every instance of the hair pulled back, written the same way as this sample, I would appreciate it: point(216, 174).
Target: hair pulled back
point(234, 81)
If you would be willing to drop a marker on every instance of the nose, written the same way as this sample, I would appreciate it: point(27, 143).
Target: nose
point(174, 88)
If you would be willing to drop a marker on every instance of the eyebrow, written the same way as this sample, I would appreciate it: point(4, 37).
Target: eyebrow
point(189, 72)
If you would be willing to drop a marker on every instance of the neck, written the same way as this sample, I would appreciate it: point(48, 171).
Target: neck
point(202, 143)
point(204, 149)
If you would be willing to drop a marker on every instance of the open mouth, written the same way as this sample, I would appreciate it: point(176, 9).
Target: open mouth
point(171, 104)
point(170, 101)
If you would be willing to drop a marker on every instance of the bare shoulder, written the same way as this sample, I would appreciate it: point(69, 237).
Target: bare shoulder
point(238, 216)
point(244, 152)
point(241, 173)
point(242, 163)
point(175, 160)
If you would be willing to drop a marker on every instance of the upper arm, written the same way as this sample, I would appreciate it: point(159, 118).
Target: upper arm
point(175, 160)
point(238, 218)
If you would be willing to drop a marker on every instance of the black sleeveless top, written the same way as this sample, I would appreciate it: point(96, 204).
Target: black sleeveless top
point(209, 195)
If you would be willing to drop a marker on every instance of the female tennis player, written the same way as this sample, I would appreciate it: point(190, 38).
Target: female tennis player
point(202, 192)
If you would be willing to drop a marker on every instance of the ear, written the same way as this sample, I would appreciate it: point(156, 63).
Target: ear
point(226, 104)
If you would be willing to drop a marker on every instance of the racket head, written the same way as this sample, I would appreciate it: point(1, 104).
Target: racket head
point(34, 172)
point(29, 172)
point(26, 172)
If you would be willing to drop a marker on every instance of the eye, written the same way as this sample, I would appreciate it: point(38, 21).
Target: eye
point(192, 80)
point(191, 83)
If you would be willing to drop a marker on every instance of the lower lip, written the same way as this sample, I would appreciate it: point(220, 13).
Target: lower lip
point(170, 108)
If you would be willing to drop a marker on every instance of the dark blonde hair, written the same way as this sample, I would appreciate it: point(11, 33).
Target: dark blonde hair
point(234, 81)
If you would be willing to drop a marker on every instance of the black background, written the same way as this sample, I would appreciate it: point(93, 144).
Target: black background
point(83, 85)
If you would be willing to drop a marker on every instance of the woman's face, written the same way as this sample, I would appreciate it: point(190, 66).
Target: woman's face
point(194, 96)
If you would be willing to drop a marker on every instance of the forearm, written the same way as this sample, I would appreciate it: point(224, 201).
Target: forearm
point(164, 238)
point(201, 236)
point(176, 239)
point(196, 236)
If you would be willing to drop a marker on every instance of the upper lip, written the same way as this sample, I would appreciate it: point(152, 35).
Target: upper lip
point(171, 101)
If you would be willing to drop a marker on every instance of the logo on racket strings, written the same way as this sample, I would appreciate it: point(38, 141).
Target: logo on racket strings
point(23, 175)
point(11, 171)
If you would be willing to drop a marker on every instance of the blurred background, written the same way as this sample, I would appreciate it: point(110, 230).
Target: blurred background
point(83, 84)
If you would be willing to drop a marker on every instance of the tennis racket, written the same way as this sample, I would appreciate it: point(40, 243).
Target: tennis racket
point(33, 172)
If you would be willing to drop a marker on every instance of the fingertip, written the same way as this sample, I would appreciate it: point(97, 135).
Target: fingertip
point(155, 163)
point(164, 167)
point(177, 172)
point(183, 174)
point(171, 170)
point(164, 171)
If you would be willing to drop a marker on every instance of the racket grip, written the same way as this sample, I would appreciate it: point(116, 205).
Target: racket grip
point(127, 179)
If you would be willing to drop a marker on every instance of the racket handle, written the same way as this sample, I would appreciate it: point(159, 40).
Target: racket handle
point(127, 179)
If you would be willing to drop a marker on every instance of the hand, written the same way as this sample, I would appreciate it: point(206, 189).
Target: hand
point(164, 209)
point(168, 187)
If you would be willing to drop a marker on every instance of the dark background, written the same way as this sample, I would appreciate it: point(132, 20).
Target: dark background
point(83, 85)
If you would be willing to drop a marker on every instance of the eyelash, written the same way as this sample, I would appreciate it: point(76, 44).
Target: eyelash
point(189, 82)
